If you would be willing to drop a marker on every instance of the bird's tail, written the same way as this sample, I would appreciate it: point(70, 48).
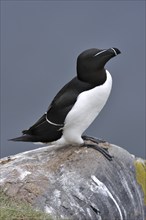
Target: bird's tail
point(26, 138)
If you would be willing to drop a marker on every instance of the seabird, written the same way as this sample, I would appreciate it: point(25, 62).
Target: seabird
point(77, 104)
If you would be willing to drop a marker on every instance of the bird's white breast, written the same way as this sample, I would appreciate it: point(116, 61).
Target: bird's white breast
point(85, 110)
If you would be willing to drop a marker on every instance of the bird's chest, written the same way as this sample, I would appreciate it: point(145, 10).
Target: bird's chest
point(88, 105)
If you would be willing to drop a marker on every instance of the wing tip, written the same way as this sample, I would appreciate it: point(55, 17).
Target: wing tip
point(24, 138)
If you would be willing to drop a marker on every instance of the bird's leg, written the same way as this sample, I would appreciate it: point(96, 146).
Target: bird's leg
point(102, 150)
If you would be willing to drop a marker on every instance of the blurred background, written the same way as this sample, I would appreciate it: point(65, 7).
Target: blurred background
point(40, 41)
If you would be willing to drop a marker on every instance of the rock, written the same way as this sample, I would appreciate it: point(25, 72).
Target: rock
point(78, 182)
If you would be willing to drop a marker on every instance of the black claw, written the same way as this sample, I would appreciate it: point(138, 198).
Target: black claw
point(105, 148)
point(101, 150)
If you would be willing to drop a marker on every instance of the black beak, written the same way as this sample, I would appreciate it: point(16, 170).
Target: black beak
point(114, 50)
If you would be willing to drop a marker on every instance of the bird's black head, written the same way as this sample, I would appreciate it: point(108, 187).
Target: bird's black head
point(90, 64)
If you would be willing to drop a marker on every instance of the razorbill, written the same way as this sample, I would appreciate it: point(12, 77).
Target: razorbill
point(77, 104)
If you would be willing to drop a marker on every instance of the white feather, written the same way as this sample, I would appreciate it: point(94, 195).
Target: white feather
point(85, 110)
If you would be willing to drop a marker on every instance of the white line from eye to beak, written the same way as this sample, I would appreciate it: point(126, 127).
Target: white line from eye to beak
point(99, 53)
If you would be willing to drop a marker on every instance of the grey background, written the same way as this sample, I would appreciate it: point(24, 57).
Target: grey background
point(40, 41)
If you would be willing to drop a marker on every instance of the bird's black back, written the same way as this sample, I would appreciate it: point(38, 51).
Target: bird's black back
point(57, 112)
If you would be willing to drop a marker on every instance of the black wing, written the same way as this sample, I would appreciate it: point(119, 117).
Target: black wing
point(57, 111)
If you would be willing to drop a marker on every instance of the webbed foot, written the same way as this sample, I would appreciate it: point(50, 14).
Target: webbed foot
point(102, 150)
point(93, 139)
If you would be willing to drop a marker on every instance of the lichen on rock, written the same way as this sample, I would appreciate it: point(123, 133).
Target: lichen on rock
point(140, 166)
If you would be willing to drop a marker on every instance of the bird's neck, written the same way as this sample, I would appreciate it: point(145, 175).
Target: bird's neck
point(95, 78)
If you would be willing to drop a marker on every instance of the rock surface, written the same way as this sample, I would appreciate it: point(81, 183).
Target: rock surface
point(78, 182)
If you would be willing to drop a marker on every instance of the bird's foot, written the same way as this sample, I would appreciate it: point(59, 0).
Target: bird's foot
point(93, 139)
point(102, 150)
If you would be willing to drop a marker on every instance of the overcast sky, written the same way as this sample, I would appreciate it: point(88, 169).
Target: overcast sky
point(40, 41)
